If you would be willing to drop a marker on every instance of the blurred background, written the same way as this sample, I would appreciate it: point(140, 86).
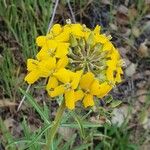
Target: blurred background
point(128, 21)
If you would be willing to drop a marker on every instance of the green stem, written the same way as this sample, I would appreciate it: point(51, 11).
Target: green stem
point(56, 123)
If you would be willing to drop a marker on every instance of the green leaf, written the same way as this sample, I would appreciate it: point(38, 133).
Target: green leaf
point(32, 101)
point(83, 146)
point(80, 123)
point(36, 138)
point(115, 103)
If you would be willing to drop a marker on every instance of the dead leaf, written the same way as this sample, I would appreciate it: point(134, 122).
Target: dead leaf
point(66, 132)
point(106, 2)
point(131, 69)
point(122, 19)
point(147, 2)
point(135, 31)
point(9, 123)
point(143, 49)
point(141, 93)
point(122, 9)
point(98, 119)
point(143, 117)
point(6, 103)
point(119, 115)
point(132, 13)
point(113, 27)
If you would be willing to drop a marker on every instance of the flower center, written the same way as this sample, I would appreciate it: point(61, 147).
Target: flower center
point(87, 56)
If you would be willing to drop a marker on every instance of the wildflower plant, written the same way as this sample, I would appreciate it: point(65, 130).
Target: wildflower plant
point(79, 64)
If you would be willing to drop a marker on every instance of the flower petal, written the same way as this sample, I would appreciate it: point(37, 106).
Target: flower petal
point(62, 62)
point(118, 75)
point(86, 80)
point(32, 64)
point(70, 99)
point(79, 95)
point(94, 88)
point(88, 100)
point(76, 79)
point(56, 29)
point(97, 29)
point(100, 38)
point(63, 75)
point(104, 89)
point(107, 46)
point(57, 91)
point(77, 30)
point(46, 66)
point(62, 50)
point(110, 74)
point(52, 83)
point(32, 76)
point(41, 40)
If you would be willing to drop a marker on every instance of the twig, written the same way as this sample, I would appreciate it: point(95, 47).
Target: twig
point(24, 97)
point(53, 15)
point(71, 11)
point(49, 26)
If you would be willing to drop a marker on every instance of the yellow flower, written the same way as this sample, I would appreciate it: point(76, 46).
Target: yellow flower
point(67, 49)
point(104, 89)
point(69, 83)
point(52, 48)
point(91, 88)
point(53, 82)
point(114, 70)
point(39, 69)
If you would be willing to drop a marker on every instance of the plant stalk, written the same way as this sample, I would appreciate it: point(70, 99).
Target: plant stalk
point(55, 126)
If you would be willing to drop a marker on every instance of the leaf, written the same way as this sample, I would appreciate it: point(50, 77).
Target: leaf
point(80, 123)
point(131, 69)
point(83, 146)
point(143, 118)
point(6, 103)
point(35, 105)
point(39, 135)
point(115, 103)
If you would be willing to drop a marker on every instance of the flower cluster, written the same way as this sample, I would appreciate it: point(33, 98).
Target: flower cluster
point(79, 63)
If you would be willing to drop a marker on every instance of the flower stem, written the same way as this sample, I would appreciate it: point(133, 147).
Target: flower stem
point(56, 123)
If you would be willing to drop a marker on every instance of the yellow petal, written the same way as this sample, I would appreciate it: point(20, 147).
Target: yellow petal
point(100, 38)
point(62, 63)
point(56, 29)
point(88, 100)
point(118, 75)
point(41, 40)
point(77, 30)
point(32, 77)
point(112, 64)
point(97, 29)
point(110, 74)
point(51, 44)
point(104, 89)
point(86, 80)
point(52, 83)
point(70, 99)
point(63, 75)
point(43, 54)
point(32, 64)
point(107, 46)
point(62, 50)
point(46, 66)
point(79, 95)
point(57, 91)
point(76, 79)
point(63, 36)
point(48, 50)
point(94, 88)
